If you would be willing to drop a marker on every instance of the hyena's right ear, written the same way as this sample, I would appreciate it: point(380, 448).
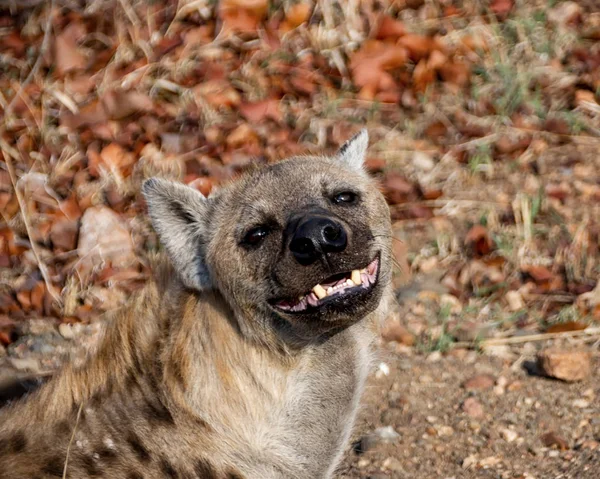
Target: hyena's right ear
point(179, 216)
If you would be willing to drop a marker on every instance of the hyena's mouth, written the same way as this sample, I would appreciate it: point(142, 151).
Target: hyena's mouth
point(338, 287)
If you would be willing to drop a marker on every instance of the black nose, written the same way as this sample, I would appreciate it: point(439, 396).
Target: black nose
point(316, 236)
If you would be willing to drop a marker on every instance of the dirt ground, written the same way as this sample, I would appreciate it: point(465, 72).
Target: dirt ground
point(422, 400)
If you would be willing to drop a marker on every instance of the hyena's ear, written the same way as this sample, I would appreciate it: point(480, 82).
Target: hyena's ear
point(179, 216)
point(352, 153)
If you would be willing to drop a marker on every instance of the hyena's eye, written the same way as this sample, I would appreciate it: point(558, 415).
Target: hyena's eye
point(345, 197)
point(255, 236)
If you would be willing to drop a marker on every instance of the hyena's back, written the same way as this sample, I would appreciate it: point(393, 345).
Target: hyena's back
point(111, 418)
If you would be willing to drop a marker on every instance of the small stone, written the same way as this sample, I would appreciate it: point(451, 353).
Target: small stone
point(392, 464)
point(469, 461)
point(422, 161)
point(445, 431)
point(479, 382)
point(434, 357)
point(508, 434)
point(362, 463)
point(387, 433)
point(104, 237)
point(514, 300)
point(553, 439)
point(489, 462)
point(451, 303)
point(566, 365)
point(382, 370)
point(581, 403)
point(590, 444)
point(472, 407)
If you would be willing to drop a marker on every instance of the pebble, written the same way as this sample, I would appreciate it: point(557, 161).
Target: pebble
point(581, 403)
point(472, 407)
point(387, 433)
point(508, 434)
point(480, 382)
point(392, 464)
point(422, 161)
point(382, 370)
point(564, 364)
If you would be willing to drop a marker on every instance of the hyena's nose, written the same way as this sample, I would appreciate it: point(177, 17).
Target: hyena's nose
point(316, 236)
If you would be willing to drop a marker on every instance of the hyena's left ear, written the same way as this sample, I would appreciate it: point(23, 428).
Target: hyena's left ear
point(179, 215)
point(352, 153)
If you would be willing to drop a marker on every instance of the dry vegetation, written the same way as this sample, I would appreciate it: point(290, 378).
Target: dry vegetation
point(485, 124)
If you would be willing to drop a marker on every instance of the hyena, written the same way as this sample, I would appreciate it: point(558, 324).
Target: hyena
point(246, 355)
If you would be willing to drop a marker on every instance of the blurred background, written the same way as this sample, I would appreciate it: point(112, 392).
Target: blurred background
point(484, 120)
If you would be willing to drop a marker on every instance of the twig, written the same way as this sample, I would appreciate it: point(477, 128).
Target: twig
point(64, 475)
point(28, 229)
point(591, 332)
point(38, 62)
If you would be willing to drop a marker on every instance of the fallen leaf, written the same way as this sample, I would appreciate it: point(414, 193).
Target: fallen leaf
point(258, 111)
point(117, 159)
point(501, 8)
point(242, 16)
point(478, 240)
point(390, 28)
point(295, 16)
point(553, 439)
point(566, 326)
point(67, 56)
point(120, 104)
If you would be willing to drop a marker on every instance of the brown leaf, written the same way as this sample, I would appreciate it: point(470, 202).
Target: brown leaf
point(456, 73)
point(242, 16)
point(258, 111)
point(63, 234)
point(243, 135)
point(398, 189)
point(501, 8)
point(217, 93)
point(390, 28)
point(539, 274)
point(567, 326)
point(91, 114)
point(67, 56)
point(423, 76)
point(553, 439)
point(120, 104)
point(370, 66)
point(295, 16)
point(117, 159)
point(418, 46)
point(479, 241)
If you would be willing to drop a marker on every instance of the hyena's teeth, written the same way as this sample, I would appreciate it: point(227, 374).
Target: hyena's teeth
point(319, 291)
point(355, 277)
point(329, 290)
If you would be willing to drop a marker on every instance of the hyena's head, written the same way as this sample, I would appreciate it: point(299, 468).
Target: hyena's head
point(302, 246)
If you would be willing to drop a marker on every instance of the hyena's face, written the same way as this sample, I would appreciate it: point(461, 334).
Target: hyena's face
point(306, 240)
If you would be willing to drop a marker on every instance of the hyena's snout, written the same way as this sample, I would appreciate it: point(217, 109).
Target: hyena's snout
point(316, 235)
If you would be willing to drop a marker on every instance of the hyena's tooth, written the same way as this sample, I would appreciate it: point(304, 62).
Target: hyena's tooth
point(319, 291)
point(355, 277)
